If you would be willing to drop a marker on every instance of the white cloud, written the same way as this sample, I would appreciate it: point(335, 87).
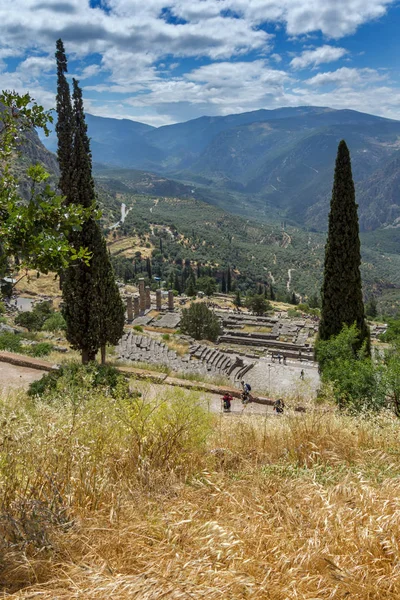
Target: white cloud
point(129, 38)
point(346, 77)
point(323, 54)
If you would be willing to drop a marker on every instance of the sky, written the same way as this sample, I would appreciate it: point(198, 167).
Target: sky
point(162, 62)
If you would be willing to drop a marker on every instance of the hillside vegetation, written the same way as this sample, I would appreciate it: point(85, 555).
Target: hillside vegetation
point(278, 161)
point(290, 259)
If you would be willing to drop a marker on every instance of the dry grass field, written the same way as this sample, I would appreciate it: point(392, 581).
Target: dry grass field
point(153, 498)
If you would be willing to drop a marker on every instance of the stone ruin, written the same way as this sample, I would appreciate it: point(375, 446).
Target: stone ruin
point(287, 338)
point(201, 358)
point(139, 305)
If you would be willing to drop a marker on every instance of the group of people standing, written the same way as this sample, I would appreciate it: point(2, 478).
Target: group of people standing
point(245, 395)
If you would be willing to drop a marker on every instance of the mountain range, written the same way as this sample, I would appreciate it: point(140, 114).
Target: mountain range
point(270, 161)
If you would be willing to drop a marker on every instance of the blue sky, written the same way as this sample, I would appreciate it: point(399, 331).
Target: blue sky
point(161, 62)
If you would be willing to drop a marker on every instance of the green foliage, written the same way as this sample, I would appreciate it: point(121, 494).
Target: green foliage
point(34, 320)
point(390, 377)
point(354, 377)
point(258, 304)
point(2, 308)
point(238, 299)
point(138, 328)
point(392, 334)
point(292, 313)
point(166, 337)
point(342, 301)
point(190, 289)
point(371, 308)
point(39, 350)
point(206, 284)
point(73, 376)
point(11, 342)
point(35, 232)
point(55, 322)
point(200, 322)
point(93, 309)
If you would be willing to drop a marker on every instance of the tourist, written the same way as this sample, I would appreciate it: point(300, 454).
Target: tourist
point(302, 374)
point(246, 389)
point(227, 399)
point(279, 405)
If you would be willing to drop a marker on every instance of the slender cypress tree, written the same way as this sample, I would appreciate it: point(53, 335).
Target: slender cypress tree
point(65, 124)
point(271, 292)
point(93, 309)
point(342, 301)
point(223, 283)
point(228, 280)
point(112, 309)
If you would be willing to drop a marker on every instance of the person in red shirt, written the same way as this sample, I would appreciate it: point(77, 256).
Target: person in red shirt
point(227, 399)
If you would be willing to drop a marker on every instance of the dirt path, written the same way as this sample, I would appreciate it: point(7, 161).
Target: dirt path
point(13, 377)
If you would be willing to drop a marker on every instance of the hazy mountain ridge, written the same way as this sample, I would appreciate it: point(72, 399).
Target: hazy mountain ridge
point(283, 158)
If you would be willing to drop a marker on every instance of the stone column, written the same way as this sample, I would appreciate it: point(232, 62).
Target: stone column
point(170, 300)
point(129, 309)
point(148, 297)
point(136, 306)
point(158, 299)
point(142, 295)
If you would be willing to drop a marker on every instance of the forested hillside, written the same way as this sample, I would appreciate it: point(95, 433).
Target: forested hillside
point(278, 161)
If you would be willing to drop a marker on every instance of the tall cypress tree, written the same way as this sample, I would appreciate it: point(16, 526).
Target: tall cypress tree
point(65, 124)
point(228, 280)
point(93, 308)
point(342, 301)
point(112, 309)
point(223, 283)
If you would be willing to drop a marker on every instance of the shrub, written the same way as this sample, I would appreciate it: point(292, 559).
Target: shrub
point(54, 323)
point(34, 320)
point(75, 376)
point(258, 304)
point(353, 374)
point(38, 350)
point(199, 322)
point(138, 328)
point(10, 342)
point(166, 337)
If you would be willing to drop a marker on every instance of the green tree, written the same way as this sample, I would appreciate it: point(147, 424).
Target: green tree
point(371, 308)
point(34, 233)
point(342, 301)
point(390, 378)
point(223, 283)
point(199, 322)
point(258, 304)
point(112, 308)
point(177, 284)
point(65, 124)
point(92, 307)
point(190, 289)
point(206, 284)
point(148, 267)
point(34, 320)
point(354, 377)
point(392, 333)
point(271, 292)
point(238, 300)
point(228, 280)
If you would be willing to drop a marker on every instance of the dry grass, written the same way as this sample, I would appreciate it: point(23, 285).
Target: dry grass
point(256, 329)
point(127, 246)
point(299, 507)
point(45, 285)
